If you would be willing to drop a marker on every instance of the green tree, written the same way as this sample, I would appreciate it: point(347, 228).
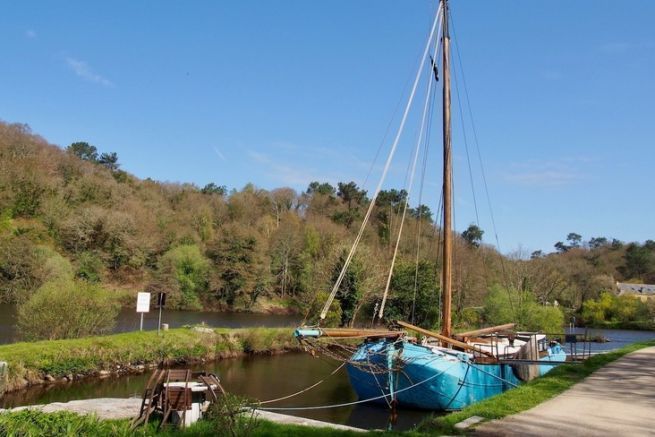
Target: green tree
point(109, 160)
point(598, 242)
point(320, 188)
point(513, 306)
point(67, 309)
point(241, 267)
point(473, 235)
point(212, 188)
point(639, 262)
point(422, 212)
point(574, 239)
point(190, 269)
point(350, 290)
point(84, 151)
point(561, 247)
point(414, 294)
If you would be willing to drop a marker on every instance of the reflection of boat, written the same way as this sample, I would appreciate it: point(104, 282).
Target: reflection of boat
point(446, 372)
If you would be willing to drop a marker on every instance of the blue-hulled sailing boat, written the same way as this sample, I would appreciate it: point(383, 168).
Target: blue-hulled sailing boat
point(443, 371)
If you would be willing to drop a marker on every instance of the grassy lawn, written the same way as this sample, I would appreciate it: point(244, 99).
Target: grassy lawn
point(528, 395)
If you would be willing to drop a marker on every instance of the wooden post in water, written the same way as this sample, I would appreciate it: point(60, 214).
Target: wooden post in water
point(446, 271)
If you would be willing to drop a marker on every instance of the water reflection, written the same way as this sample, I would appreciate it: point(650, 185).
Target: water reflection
point(259, 378)
point(128, 320)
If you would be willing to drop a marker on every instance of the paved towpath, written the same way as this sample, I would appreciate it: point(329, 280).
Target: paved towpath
point(617, 400)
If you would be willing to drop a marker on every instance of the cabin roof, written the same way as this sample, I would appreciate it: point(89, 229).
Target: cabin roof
point(642, 289)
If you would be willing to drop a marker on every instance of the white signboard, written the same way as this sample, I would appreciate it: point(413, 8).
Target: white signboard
point(143, 303)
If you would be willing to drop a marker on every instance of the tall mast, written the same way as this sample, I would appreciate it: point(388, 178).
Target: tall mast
point(446, 275)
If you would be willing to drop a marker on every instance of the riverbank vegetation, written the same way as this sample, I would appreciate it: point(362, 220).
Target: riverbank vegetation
point(73, 213)
point(530, 394)
point(62, 360)
point(619, 312)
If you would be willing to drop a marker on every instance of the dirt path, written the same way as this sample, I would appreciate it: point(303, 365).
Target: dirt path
point(618, 399)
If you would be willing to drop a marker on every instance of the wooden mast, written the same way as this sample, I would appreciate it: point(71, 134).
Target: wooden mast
point(446, 272)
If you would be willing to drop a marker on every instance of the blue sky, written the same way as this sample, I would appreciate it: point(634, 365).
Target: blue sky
point(280, 93)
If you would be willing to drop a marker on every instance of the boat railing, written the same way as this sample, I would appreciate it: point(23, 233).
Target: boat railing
point(578, 345)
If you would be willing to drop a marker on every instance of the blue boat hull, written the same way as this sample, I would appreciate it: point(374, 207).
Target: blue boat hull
point(430, 379)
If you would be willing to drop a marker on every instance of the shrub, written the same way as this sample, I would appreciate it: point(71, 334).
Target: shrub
point(232, 417)
point(67, 309)
point(89, 267)
point(513, 306)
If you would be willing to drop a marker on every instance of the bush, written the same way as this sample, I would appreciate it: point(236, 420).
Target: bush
point(513, 306)
point(67, 309)
point(89, 267)
point(232, 416)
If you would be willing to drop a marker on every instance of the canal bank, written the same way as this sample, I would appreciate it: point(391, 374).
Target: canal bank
point(62, 361)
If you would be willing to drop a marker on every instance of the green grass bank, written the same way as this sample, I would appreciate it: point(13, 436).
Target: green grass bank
point(528, 395)
point(41, 362)
point(36, 423)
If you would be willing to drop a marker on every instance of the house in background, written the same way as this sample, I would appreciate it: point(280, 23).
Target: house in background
point(642, 291)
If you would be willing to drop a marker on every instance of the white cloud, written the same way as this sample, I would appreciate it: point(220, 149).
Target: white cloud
point(287, 173)
point(219, 154)
point(82, 69)
point(553, 173)
point(31, 34)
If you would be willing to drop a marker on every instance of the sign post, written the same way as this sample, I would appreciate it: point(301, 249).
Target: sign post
point(161, 301)
point(142, 305)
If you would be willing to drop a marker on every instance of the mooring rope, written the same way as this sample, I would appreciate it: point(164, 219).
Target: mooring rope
point(362, 401)
point(270, 401)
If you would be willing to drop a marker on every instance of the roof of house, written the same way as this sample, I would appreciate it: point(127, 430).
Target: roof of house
point(645, 289)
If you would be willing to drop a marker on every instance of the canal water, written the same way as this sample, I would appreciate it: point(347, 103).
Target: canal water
point(128, 320)
point(261, 378)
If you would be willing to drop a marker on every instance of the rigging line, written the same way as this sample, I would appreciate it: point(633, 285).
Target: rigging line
point(420, 195)
point(411, 182)
point(344, 269)
point(388, 128)
point(420, 202)
point(303, 390)
point(466, 147)
point(475, 133)
point(479, 154)
point(361, 401)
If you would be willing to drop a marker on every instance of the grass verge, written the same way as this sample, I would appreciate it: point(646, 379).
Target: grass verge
point(528, 395)
point(36, 362)
point(36, 423)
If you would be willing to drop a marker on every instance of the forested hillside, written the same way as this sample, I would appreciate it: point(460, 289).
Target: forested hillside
point(73, 216)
